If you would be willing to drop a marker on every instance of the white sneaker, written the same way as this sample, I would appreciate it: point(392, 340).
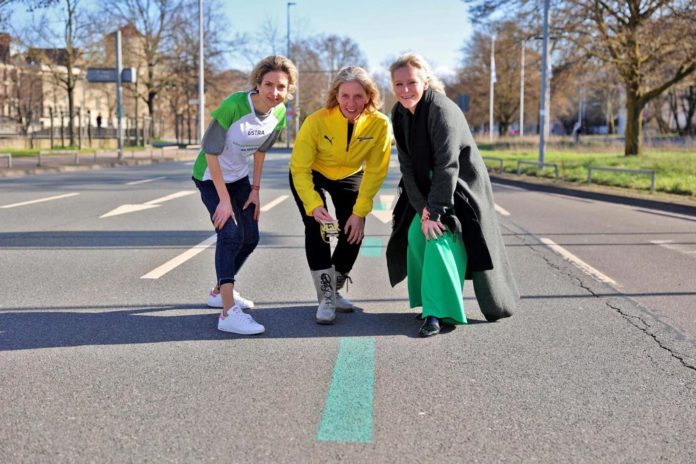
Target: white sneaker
point(239, 322)
point(215, 300)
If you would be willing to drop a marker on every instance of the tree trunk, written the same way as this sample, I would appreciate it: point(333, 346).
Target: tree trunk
point(634, 118)
point(71, 116)
point(151, 112)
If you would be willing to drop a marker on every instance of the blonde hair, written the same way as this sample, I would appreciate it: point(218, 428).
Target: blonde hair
point(417, 61)
point(359, 75)
point(275, 63)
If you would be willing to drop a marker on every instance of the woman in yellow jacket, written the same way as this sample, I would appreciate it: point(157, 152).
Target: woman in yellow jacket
point(342, 149)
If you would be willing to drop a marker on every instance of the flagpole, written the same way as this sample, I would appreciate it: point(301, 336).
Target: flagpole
point(490, 104)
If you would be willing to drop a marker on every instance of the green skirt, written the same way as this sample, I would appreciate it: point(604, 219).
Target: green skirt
point(436, 272)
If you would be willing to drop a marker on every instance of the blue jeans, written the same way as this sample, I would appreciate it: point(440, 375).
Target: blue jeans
point(235, 242)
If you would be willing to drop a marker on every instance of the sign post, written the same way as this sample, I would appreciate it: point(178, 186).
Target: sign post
point(119, 96)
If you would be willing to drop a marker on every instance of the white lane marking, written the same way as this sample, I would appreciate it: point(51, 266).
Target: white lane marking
point(384, 210)
point(157, 201)
point(501, 210)
point(580, 264)
point(125, 209)
point(686, 249)
point(144, 181)
point(182, 258)
point(189, 163)
point(40, 200)
point(188, 254)
point(273, 203)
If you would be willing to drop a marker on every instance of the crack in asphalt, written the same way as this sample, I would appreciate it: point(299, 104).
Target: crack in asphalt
point(645, 330)
point(643, 326)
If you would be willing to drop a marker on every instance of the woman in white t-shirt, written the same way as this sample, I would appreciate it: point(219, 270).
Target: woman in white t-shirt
point(245, 124)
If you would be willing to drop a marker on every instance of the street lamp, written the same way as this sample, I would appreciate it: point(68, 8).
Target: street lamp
point(544, 84)
point(201, 94)
point(288, 105)
point(524, 43)
point(492, 90)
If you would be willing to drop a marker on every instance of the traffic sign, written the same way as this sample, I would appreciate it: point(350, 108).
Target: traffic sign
point(108, 75)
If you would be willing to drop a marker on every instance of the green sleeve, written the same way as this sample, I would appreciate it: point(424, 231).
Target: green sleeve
point(225, 113)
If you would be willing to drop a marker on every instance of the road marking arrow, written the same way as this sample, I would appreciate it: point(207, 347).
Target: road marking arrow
point(383, 209)
point(125, 209)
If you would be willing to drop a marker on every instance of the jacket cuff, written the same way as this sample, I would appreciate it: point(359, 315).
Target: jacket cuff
point(435, 213)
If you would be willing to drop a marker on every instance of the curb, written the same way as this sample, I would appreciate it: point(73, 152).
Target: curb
point(18, 172)
point(660, 201)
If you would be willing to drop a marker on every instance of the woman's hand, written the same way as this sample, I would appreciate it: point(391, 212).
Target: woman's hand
point(322, 215)
point(222, 213)
point(431, 228)
point(355, 229)
point(256, 201)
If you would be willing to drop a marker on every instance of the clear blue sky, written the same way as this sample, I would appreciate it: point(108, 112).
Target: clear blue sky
point(382, 28)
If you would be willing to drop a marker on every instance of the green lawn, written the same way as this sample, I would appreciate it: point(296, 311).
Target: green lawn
point(675, 171)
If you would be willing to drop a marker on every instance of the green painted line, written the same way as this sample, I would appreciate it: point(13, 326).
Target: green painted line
point(372, 247)
point(347, 415)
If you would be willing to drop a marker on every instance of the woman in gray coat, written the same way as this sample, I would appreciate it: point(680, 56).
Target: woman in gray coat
point(445, 227)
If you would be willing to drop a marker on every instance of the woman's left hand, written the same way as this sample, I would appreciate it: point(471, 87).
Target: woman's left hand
point(254, 200)
point(355, 229)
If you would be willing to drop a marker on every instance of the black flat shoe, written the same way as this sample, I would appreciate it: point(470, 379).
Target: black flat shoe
point(430, 327)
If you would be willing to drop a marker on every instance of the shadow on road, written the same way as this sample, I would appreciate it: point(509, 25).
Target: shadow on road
point(33, 329)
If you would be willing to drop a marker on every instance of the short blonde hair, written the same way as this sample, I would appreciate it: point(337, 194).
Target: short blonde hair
point(417, 61)
point(275, 63)
point(359, 75)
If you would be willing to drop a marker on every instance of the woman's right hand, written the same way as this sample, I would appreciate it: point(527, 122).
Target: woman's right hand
point(222, 213)
point(322, 215)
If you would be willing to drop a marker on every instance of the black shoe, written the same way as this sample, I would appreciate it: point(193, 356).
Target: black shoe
point(430, 327)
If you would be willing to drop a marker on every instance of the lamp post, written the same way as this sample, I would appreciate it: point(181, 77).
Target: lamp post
point(119, 96)
point(201, 67)
point(524, 43)
point(544, 84)
point(288, 105)
point(492, 90)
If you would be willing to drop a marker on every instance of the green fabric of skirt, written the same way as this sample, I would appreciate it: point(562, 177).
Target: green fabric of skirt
point(436, 272)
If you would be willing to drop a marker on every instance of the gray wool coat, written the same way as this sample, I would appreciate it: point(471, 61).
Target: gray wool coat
point(437, 138)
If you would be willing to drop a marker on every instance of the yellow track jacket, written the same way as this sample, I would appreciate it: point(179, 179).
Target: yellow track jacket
point(322, 145)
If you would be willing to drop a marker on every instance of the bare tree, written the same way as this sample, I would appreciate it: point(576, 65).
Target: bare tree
point(62, 62)
point(318, 59)
point(31, 4)
point(474, 77)
point(182, 61)
point(644, 40)
point(151, 25)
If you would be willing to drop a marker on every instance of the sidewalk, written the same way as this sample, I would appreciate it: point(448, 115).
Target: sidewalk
point(20, 166)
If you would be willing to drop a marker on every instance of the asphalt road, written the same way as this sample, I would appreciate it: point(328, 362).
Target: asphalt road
point(109, 354)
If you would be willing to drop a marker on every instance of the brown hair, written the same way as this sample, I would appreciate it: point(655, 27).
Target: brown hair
point(359, 75)
point(417, 61)
point(275, 63)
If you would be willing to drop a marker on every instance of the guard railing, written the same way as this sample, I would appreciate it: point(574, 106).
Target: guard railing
point(629, 171)
point(493, 158)
point(537, 163)
point(9, 158)
point(58, 152)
